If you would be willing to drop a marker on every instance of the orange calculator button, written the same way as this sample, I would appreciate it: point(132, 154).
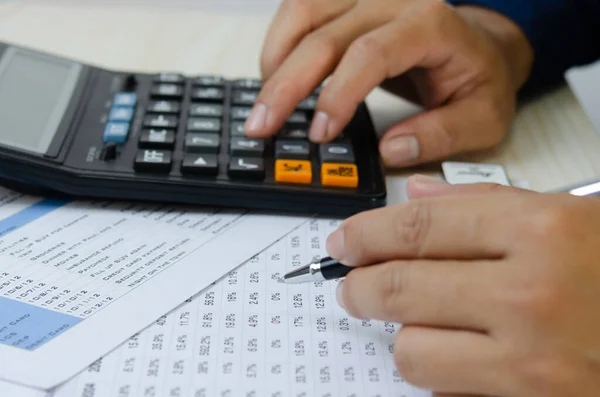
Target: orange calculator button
point(344, 175)
point(293, 171)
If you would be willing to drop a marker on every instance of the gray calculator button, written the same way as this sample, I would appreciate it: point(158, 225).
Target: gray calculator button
point(203, 124)
point(172, 78)
point(212, 94)
point(289, 132)
point(167, 90)
point(209, 81)
point(244, 97)
point(200, 164)
point(167, 107)
point(337, 152)
point(237, 129)
point(153, 161)
point(251, 84)
point(247, 147)
point(297, 117)
point(160, 121)
point(206, 110)
point(202, 143)
point(292, 149)
point(246, 168)
point(240, 112)
point(157, 139)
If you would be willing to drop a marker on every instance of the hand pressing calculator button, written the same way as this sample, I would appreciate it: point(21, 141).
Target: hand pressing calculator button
point(168, 137)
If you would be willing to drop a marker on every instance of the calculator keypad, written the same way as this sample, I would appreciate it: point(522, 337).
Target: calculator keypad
point(196, 126)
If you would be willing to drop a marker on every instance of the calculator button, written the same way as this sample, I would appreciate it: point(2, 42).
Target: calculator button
point(116, 132)
point(293, 171)
point(200, 164)
point(167, 91)
point(208, 94)
point(153, 160)
point(206, 110)
point(168, 107)
point(244, 97)
point(157, 139)
point(309, 103)
point(246, 167)
point(292, 149)
point(209, 81)
point(160, 121)
point(203, 124)
point(237, 129)
point(342, 175)
point(109, 151)
point(240, 112)
point(252, 84)
point(125, 99)
point(247, 147)
point(290, 132)
point(297, 118)
point(337, 152)
point(171, 78)
point(119, 113)
point(202, 143)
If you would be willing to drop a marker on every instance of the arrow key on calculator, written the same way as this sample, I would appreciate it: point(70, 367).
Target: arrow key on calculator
point(247, 147)
point(246, 168)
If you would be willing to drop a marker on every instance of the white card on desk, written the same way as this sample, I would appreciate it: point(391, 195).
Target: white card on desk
point(79, 278)
point(457, 173)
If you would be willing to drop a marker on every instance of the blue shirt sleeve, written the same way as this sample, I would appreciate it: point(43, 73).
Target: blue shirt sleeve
point(563, 33)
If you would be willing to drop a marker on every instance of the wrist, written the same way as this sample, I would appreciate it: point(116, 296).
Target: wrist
point(509, 38)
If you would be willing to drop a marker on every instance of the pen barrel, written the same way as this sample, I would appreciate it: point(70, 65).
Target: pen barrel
point(332, 269)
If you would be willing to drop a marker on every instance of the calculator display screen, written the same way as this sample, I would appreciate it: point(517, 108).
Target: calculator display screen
point(35, 90)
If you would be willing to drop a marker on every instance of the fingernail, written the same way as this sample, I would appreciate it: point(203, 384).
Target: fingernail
point(318, 129)
point(335, 245)
point(257, 118)
point(339, 294)
point(427, 180)
point(399, 150)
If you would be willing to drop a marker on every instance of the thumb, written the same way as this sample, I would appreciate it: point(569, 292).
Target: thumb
point(472, 123)
point(421, 186)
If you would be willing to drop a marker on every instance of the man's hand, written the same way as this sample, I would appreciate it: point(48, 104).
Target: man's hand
point(498, 289)
point(464, 65)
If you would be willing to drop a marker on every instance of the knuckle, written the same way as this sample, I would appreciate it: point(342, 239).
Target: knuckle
point(369, 47)
point(412, 226)
point(324, 44)
point(393, 284)
point(547, 374)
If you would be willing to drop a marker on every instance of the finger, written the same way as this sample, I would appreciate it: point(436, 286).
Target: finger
point(469, 227)
point(369, 61)
point(304, 69)
point(421, 186)
point(451, 361)
point(432, 293)
point(294, 20)
point(475, 122)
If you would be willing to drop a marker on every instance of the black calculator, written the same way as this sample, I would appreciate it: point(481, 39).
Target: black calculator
point(83, 131)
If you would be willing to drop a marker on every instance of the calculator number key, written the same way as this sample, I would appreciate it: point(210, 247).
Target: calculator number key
point(209, 81)
point(244, 97)
point(202, 143)
point(293, 171)
point(160, 121)
point(153, 161)
point(174, 91)
point(237, 129)
point(157, 139)
point(200, 164)
point(167, 107)
point(240, 112)
point(341, 175)
point(204, 124)
point(208, 94)
point(246, 168)
point(170, 78)
point(250, 84)
point(247, 147)
point(205, 110)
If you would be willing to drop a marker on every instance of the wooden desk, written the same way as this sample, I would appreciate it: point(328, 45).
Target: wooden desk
point(552, 143)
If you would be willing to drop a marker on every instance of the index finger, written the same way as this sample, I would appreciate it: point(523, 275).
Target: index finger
point(459, 227)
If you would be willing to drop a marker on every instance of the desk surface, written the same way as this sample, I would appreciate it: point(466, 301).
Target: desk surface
point(552, 143)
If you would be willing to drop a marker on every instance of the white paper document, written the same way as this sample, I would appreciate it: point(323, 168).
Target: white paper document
point(79, 278)
point(250, 335)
